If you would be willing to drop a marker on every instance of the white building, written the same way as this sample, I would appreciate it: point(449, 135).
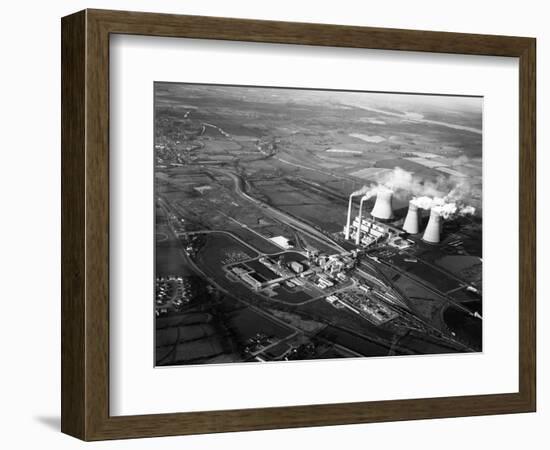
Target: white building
point(281, 241)
point(370, 230)
point(296, 267)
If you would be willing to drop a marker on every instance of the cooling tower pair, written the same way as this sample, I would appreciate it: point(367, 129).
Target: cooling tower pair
point(432, 232)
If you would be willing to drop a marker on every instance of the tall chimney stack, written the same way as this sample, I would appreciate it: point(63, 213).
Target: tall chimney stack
point(411, 221)
point(360, 220)
point(348, 222)
point(382, 207)
point(433, 229)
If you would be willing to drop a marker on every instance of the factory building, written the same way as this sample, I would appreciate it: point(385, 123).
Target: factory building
point(282, 242)
point(251, 281)
point(296, 267)
point(365, 230)
point(368, 232)
point(382, 209)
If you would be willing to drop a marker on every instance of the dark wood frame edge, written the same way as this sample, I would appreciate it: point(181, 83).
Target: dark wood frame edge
point(85, 225)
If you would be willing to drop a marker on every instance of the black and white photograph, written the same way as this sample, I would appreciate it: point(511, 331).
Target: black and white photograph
point(275, 225)
point(303, 224)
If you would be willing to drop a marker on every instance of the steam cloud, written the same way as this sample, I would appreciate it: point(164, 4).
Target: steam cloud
point(467, 211)
point(370, 191)
point(423, 202)
point(443, 207)
point(445, 210)
point(448, 196)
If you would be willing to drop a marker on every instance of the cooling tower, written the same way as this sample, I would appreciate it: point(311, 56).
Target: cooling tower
point(433, 229)
point(411, 221)
point(382, 207)
point(360, 221)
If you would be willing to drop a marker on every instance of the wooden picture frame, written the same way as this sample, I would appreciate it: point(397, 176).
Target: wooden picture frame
point(85, 224)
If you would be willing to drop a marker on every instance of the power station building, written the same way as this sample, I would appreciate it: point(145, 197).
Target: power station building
point(368, 232)
point(367, 229)
point(296, 267)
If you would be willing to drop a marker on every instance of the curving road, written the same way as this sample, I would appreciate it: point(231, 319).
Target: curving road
point(278, 214)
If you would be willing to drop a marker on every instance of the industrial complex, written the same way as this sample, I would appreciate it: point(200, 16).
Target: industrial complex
point(269, 248)
point(369, 228)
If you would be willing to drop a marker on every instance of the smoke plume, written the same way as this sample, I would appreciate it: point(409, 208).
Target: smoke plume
point(361, 191)
point(446, 210)
point(448, 195)
point(422, 202)
point(370, 191)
